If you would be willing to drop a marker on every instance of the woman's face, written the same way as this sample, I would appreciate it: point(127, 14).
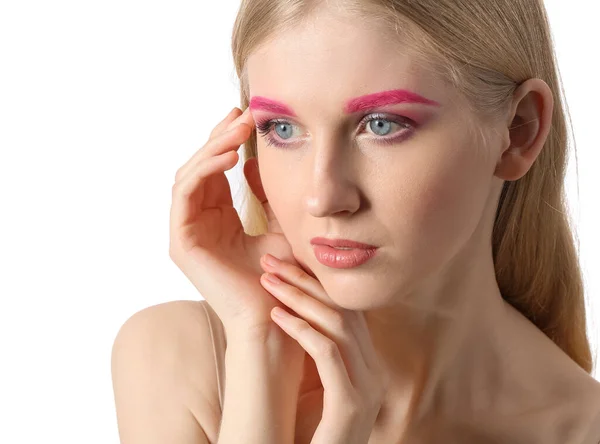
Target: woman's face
point(414, 183)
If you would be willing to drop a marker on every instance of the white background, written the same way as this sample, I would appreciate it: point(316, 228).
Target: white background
point(100, 104)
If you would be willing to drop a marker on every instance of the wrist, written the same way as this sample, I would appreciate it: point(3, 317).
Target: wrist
point(267, 333)
point(276, 351)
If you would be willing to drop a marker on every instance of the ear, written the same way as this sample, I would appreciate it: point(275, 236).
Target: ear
point(530, 119)
point(252, 174)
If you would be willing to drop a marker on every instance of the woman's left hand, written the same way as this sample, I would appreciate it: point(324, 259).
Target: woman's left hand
point(340, 345)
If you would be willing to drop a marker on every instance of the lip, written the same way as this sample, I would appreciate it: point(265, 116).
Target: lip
point(341, 243)
point(334, 258)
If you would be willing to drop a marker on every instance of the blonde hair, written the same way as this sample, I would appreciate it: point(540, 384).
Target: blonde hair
point(485, 49)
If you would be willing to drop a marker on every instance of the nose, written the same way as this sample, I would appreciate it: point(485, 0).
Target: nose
point(332, 173)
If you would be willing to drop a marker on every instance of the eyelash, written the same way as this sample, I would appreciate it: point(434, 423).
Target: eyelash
point(265, 127)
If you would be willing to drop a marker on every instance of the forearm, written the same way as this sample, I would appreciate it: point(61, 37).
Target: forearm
point(261, 391)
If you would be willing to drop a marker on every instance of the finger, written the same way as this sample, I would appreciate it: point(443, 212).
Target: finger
point(298, 278)
point(365, 341)
point(211, 147)
point(324, 351)
point(223, 143)
point(221, 127)
point(326, 320)
point(217, 131)
point(246, 117)
point(312, 287)
point(182, 212)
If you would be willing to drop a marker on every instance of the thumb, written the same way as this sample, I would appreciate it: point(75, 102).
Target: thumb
point(252, 175)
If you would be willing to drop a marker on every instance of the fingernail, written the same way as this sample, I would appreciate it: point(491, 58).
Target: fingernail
point(270, 260)
point(279, 313)
point(272, 278)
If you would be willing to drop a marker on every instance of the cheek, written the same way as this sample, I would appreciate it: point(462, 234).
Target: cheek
point(442, 201)
point(285, 198)
point(285, 201)
point(282, 195)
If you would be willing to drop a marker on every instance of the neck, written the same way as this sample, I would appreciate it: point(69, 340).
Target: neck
point(444, 343)
point(458, 353)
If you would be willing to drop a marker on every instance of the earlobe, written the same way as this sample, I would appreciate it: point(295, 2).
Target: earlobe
point(512, 165)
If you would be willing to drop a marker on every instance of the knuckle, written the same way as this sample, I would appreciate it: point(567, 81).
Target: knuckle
point(328, 349)
point(296, 293)
point(172, 248)
point(233, 126)
point(221, 130)
point(302, 326)
point(299, 275)
point(176, 260)
point(214, 133)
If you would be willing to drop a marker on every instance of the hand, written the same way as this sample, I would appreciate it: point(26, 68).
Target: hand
point(341, 346)
point(207, 239)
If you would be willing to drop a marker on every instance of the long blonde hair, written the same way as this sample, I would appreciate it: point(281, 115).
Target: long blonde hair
point(485, 49)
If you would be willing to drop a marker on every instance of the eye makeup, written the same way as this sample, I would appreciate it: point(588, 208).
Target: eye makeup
point(362, 103)
point(384, 98)
point(407, 126)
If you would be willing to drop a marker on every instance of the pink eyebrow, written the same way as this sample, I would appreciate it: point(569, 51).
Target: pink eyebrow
point(271, 105)
point(384, 98)
point(361, 103)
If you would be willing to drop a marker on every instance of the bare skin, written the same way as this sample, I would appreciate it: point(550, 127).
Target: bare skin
point(180, 367)
point(464, 366)
point(457, 353)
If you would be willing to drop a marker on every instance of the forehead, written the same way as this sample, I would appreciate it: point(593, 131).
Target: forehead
point(329, 59)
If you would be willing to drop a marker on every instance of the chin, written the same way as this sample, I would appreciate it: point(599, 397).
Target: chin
point(356, 300)
point(356, 292)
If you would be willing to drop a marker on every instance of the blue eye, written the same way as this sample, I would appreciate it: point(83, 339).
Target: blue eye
point(286, 130)
point(283, 130)
point(380, 124)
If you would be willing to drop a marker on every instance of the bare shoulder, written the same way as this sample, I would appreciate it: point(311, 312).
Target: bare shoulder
point(590, 402)
point(578, 408)
point(164, 376)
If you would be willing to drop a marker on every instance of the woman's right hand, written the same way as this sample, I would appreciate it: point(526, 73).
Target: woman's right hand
point(207, 239)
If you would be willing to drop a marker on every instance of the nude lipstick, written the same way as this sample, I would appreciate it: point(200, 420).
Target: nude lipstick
point(341, 253)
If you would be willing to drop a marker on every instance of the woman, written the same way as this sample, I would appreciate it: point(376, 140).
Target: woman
point(430, 133)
